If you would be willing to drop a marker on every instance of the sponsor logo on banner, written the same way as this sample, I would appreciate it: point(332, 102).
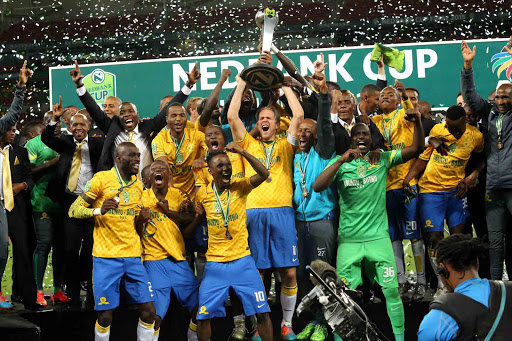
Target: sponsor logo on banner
point(100, 84)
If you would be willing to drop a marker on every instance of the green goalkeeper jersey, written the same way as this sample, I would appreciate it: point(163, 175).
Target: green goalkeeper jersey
point(362, 197)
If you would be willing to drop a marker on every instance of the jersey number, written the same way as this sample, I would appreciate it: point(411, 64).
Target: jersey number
point(411, 225)
point(389, 272)
point(260, 296)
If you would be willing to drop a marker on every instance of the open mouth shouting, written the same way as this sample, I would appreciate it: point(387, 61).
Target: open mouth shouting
point(362, 145)
point(159, 179)
point(129, 123)
point(265, 126)
point(226, 176)
point(214, 145)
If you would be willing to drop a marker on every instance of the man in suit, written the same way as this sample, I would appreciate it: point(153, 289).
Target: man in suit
point(127, 127)
point(6, 123)
point(79, 157)
point(16, 185)
point(345, 113)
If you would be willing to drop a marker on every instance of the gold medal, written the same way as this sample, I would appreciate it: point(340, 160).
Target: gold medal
point(500, 143)
point(269, 179)
point(304, 192)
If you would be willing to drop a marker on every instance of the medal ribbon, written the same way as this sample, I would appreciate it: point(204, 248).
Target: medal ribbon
point(224, 214)
point(499, 123)
point(178, 147)
point(121, 181)
point(387, 132)
point(303, 171)
point(268, 156)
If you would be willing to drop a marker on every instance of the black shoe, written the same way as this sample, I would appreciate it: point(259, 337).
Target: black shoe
point(75, 303)
point(16, 298)
point(37, 307)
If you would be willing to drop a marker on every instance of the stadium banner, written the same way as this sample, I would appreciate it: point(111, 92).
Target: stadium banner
point(434, 68)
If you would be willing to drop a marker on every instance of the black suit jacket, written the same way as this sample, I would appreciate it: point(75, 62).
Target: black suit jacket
point(21, 172)
point(112, 126)
point(65, 146)
point(342, 138)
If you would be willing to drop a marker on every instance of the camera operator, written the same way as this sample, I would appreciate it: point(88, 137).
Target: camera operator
point(476, 308)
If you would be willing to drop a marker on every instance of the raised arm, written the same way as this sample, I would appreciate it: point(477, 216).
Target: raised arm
point(290, 67)
point(99, 117)
point(467, 83)
point(261, 172)
point(325, 146)
point(237, 126)
point(418, 143)
point(325, 179)
point(297, 111)
point(213, 99)
point(13, 114)
point(48, 135)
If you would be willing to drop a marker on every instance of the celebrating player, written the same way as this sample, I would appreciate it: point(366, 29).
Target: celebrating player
point(115, 196)
point(164, 247)
point(179, 147)
point(363, 236)
point(443, 185)
point(229, 264)
point(401, 207)
point(270, 216)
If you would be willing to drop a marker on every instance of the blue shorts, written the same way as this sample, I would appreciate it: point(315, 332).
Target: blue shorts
point(107, 274)
point(437, 206)
point(198, 243)
point(273, 237)
point(243, 277)
point(402, 215)
point(168, 277)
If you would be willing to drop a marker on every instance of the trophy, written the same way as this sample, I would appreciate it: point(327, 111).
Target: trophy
point(261, 76)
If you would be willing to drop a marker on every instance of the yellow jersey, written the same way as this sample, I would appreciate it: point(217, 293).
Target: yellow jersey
point(443, 173)
point(168, 240)
point(278, 192)
point(220, 248)
point(398, 133)
point(190, 125)
point(199, 127)
point(203, 176)
point(192, 147)
point(114, 232)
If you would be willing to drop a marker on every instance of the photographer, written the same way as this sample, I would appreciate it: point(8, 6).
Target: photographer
point(476, 308)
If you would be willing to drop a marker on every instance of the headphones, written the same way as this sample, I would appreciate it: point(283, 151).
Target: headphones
point(442, 271)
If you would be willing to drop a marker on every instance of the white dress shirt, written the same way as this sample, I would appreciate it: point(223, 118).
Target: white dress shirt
point(86, 172)
point(335, 119)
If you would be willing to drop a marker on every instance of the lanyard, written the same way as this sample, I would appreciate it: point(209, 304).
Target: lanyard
point(387, 132)
point(268, 155)
point(178, 157)
point(224, 214)
point(303, 171)
point(121, 182)
point(499, 123)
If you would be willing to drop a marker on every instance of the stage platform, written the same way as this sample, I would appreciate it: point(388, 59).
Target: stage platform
point(63, 323)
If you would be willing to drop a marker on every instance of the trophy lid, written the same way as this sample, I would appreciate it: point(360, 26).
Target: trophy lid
point(262, 12)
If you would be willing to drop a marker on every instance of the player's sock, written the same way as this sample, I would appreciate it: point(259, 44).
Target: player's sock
point(101, 333)
point(433, 262)
point(418, 251)
point(288, 301)
point(200, 265)
point(145, 331)
point(398, 250)
point(156, 334)
point(192, 331)
point(400, 337)
point(239, 319)
point(55, 289)
point(395, 309)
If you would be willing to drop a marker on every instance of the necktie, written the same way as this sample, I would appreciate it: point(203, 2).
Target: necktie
point(75, 167)
point(7, 182)
point(130, 136)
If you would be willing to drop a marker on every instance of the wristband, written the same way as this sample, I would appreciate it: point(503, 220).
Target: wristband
point(274, 49)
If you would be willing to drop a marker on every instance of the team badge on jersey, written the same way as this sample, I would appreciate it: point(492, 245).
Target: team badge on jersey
point(452, 148)
point(361, 171)
point(126, 197)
